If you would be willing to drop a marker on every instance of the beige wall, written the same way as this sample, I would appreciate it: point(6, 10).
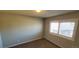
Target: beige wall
point(76, 44)
point(16, 29)
point(61, 41)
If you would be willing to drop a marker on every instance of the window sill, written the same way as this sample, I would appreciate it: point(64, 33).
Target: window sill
point(62, 36)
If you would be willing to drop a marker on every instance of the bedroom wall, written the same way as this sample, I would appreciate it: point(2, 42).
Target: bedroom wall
point(61, 41)
point(16, 29)
point(76, 44)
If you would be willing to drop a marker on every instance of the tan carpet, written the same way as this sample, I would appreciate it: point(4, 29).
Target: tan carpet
point(41, 43)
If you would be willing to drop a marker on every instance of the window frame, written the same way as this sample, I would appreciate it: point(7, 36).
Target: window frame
point(63, 36)
point(58, 27)
point(61, 30)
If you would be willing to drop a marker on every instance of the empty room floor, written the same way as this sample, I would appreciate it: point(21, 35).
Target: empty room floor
point(41, 43)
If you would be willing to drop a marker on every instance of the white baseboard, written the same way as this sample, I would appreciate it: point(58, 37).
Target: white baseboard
point(23, 42)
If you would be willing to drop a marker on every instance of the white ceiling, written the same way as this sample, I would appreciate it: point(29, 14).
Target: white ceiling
point(43, 13)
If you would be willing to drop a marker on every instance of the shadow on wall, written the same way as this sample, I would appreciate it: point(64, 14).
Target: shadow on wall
point(0, 41)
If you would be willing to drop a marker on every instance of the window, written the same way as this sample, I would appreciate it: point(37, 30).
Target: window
point(62, 28)
point(54, 27)
point(66, 28)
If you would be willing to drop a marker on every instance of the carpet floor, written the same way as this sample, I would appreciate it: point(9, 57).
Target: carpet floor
point(41, 43)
